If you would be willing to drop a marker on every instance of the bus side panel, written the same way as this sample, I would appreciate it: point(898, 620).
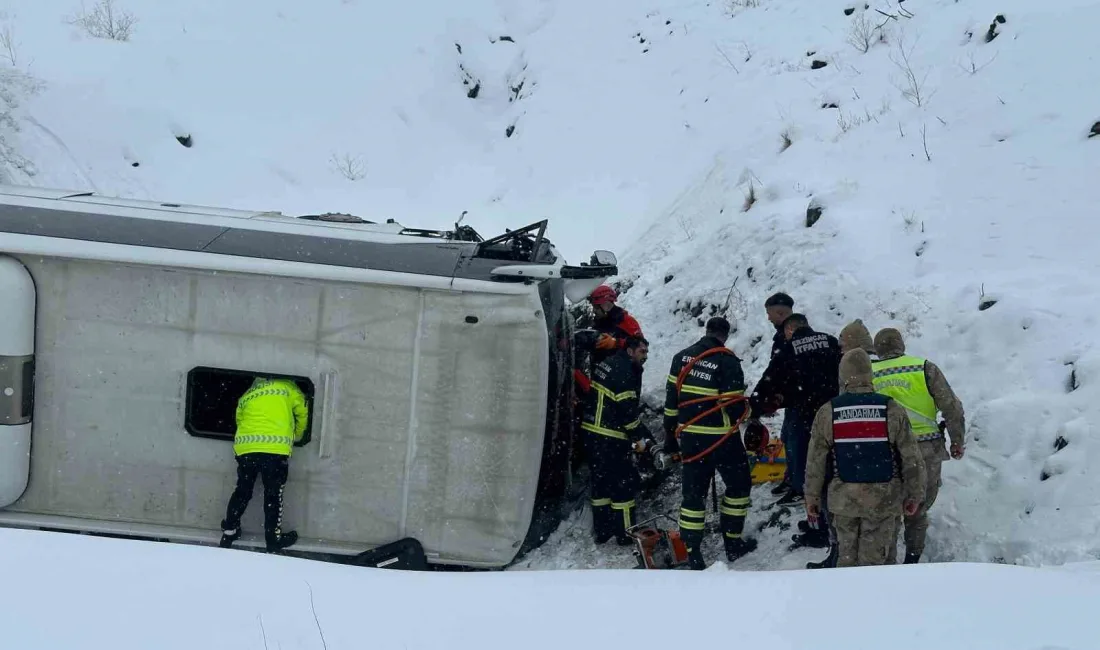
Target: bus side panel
point(117, 342)
point(480, 418)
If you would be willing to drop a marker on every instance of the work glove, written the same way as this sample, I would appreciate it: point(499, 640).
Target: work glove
point(582, 380)
point(606, 342)
point(756, 437)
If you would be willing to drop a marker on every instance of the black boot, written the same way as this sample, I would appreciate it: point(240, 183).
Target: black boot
point(228, 537)
point(739, 548)
point(230, 534)
point(622, 520)
point(912, 558)
point(791, 498)
point(804, 526)
point(782, 488)
point(829, 562)
point(601, 524)
point(281, 541)
point(814, 538)
point(695, 559)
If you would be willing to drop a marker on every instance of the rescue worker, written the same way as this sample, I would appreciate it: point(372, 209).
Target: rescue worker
point(877, 465)
point(719, 376)
point(920, 386)
point(778, 307)
point(271, 416)
point(614, 324)
point(613, 429)
point(854, 335)
point(805, 374)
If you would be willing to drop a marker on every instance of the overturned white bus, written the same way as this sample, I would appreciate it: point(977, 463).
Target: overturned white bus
point(438, 367)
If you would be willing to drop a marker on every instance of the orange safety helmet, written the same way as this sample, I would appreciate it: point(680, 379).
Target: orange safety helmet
point(602, 295)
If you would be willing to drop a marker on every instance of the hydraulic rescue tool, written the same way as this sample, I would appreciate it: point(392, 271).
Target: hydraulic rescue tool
point(657, 548)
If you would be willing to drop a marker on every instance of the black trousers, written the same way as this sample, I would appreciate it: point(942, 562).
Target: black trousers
point(614, 484)
point(274, 469)
point(732, 464)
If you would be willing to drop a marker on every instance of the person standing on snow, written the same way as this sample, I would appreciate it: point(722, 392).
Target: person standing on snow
point(719, 376)
point(271, 416)
point(854, 336)
point(804, 375)
point(778, 307)
point(920, 386)
point(877, 465)
point(613, 429)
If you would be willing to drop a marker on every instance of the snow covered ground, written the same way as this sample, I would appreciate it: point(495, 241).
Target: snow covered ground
point(123, 595)
point(691, 136)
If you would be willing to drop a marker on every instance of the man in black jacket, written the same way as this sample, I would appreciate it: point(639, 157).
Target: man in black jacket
point(805, 373)
point(718, 375)
point(779, 306)
point(612, 430)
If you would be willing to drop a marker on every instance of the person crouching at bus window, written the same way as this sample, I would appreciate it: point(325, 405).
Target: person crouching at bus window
point(271, 417)
point(613, 429)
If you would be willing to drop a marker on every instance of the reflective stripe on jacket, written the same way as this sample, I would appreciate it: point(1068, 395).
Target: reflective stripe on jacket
point(612, 408)
point(271, 417)
point(903, 379)
point(718, 374)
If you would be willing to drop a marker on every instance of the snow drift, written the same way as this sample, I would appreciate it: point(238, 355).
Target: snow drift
point(128, 595)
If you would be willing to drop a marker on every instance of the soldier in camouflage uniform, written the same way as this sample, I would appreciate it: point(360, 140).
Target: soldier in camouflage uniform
point(922, 389)
point(856, 335)
point(877, 466)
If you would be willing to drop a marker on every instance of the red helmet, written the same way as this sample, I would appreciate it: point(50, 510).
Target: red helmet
point(602, 295)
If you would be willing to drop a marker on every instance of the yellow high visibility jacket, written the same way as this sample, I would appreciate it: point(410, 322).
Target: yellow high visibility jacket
point(903, 379)
point(271, 417)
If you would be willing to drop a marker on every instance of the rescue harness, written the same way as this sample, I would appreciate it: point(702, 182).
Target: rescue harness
point(720, 403)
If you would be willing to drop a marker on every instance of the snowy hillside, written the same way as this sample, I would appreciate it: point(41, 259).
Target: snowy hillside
point(986, 186)
point(945, 152)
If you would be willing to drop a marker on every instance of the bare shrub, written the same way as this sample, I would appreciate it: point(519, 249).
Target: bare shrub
point(9, 47)
point(349, 166)
point(734, 7)
point(912, 85)
point(685, 225)
point(849, 121)
point(14, 85)
point(785, 140)
point(862, 33)
point(750, 198)
point(972, 68)
point(105, 20)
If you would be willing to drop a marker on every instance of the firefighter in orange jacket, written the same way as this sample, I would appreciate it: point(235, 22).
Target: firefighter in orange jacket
point(613, 326)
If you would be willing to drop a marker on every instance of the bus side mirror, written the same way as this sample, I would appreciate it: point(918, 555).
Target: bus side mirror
point(604, 258)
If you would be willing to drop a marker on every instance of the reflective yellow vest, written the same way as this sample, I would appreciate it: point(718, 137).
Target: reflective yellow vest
point(271, 417)
point(903, 379)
